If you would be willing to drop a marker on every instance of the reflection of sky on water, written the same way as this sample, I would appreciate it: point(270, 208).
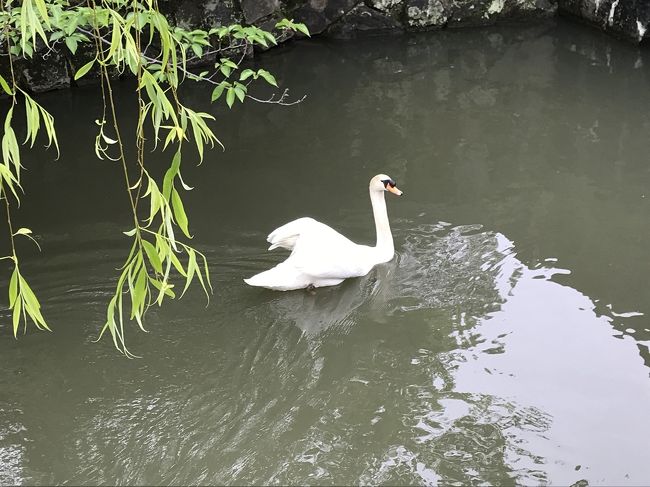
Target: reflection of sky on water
point(555, 353)
point(532, 378)
point(545, 350)
point(11, 451)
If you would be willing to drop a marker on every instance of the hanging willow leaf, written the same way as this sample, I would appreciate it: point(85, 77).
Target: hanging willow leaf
point(5, 86)
point(13, 288)
point(10, 149)
point(179, 213)
point(23, 302)
point(30, 20)
point(16, 316)
point(115, 32)
point(84, 69)
point(154, 259)
point(32, 115)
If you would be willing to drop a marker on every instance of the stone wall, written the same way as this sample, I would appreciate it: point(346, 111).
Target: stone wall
point(336, 18)
point(352, 18)
point(625, 18)
point(348, 18)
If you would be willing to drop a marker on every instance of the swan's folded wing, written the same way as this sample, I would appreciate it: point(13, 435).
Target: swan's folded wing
point(328, 255)
point(288, 234)
point(332, 269)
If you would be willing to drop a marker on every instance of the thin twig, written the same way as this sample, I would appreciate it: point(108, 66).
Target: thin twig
point(279, 101)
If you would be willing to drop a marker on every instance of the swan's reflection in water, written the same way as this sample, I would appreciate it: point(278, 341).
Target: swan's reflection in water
point(505, 364)
point(446, 270)
point(313, 313)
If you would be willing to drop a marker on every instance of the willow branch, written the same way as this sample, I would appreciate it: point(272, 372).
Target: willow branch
point(189, 74)
point(3, 192)
point(3, 195)
point(106, 84)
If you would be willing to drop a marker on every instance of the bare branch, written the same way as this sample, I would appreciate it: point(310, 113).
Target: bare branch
point(280, 100)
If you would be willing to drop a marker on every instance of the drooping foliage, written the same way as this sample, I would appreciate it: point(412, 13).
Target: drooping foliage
point(128, 37)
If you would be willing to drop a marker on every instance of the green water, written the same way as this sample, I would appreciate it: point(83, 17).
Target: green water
point(507, 342)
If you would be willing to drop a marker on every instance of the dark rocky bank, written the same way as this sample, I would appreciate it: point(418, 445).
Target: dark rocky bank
point(351, 18)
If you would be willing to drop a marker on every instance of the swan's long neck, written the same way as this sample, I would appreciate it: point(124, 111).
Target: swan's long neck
point(384, 247)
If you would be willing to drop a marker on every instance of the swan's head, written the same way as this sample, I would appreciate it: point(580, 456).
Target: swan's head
point(381, 182)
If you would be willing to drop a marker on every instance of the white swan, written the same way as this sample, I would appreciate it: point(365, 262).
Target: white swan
point(321, 256)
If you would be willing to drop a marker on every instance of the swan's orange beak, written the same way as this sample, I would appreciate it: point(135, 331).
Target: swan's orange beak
point(394, 190)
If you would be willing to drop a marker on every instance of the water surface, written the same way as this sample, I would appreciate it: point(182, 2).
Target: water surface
point(507, 342)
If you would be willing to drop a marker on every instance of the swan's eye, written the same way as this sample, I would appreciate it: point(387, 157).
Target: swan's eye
point(389, 182)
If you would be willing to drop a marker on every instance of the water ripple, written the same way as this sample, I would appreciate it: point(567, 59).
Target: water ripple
point(425, 371)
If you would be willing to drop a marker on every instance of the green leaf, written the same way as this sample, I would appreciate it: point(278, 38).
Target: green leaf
point(42, 9)
point(179, 213)
point(207, 275)
point(10, 149)
point(282, 23)
point(230, 97)
point(108, 140)
point(83, 69)
point(13, 288)
point(198, 274)
point(191, 268)
point(168, 180)
point(71, 42)
point(155, 201)
point(28, 49)
point(247, 73)
point(152, 254)
point(229, 63)
point(291, 25)
point(226, 70)
point(165, 288)
point(27, 233)
point(197, 49)
point(32, 115)
point(240, 91)
point(270, 37)
point(139, 294)
point(31, 305)
point(268, 77)
point(177, 264)
point(56, 35)
point(5, 86)
point(16, 317)
point(302, 28)
point(218, 91)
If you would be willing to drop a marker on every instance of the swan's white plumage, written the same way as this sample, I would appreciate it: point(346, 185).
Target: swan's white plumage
point(321, 256)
